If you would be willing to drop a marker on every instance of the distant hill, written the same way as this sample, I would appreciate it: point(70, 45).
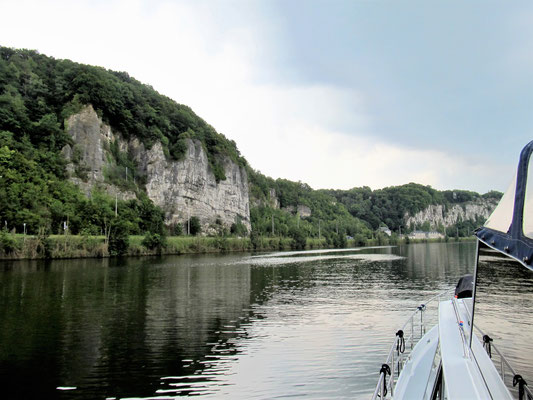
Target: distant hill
point(361, 211)
point(143, 142)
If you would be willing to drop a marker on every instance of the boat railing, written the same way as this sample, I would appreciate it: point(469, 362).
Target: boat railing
point(414, 328)
point(514, 382)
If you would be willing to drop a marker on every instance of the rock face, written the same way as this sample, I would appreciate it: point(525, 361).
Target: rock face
point(89, 135)
point(188, 188)
point(439, 215)
point(304, 211)
point(301, 210)
point(88, 154)
point(183, 189)
point(273, 199)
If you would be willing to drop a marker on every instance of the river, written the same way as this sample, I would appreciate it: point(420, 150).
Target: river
point(314, 324)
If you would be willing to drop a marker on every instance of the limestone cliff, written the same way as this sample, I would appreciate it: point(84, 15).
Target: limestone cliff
point(188, 187)
point(182, 188)
point(88, 156)
point(449, 215)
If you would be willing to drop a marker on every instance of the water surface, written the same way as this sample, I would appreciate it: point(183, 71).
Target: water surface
point(296, 324)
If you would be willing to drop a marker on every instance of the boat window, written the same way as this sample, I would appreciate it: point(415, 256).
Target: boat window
point(502, 216)
point(527, 226)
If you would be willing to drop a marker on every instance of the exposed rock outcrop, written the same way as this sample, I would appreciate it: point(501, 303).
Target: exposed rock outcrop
point(88, 156)
point(188, 187)
point(303, 211)
point(273, 199)
point(440, 215)
point(182, 188)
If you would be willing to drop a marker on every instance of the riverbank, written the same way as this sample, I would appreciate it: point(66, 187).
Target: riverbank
point(19, 247)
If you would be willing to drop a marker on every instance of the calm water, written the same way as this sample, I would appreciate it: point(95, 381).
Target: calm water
point(311, 325)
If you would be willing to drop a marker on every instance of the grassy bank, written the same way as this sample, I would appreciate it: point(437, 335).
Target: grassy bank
point(17, 246)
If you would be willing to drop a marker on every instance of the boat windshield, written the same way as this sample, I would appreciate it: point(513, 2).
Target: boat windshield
point(510, 227)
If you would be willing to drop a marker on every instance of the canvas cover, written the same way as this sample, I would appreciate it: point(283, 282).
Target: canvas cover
point(509, 229)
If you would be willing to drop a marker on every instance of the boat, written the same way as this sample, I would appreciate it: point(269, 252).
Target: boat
point(440, 353)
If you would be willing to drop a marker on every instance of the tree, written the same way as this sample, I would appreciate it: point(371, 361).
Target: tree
point(238, 229)
point(154, 241)
point(118, 238)
point(339, 240)
point(298, 239)
point(194, 226)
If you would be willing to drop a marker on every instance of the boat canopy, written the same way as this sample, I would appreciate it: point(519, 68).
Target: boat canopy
point(509, 229)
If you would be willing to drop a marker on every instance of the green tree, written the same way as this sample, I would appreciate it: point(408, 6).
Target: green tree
point(238, 229)
point(154, 241)
point(118, 238)
point(299, 240)
point(194, 226)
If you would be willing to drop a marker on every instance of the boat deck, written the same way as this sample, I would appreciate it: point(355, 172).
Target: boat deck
point(442, 360)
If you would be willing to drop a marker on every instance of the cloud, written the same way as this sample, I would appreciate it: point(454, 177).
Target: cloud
point(213, 59)
point(342, 161)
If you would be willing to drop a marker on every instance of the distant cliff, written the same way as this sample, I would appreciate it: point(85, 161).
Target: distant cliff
point(183, 188)
point(441, 215)
point(414, 206)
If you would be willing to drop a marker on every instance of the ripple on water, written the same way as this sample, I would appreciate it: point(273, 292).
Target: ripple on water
point(280, 260)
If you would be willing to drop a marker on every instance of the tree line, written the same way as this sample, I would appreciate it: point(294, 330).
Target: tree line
point(38, 93)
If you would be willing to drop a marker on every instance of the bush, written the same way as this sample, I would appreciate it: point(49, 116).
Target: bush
point(119, 241)
point(359, 240)
point(238, 229)
point(256, 240)
point(194, 225)
point(175, 230)
point(7, 242)
point(298, 239)
point(340, 241)
point(154, 241)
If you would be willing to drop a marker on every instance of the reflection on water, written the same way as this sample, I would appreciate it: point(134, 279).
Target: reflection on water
point(313, 324)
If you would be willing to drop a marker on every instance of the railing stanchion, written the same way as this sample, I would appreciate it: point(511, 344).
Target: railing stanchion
point(421, 321)
point(391, 381)
point(412, 331)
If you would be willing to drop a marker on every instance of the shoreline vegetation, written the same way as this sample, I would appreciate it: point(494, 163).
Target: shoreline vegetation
point(31, 247)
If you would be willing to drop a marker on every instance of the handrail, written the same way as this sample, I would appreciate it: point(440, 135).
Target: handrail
point(503, 360)
point(378, 392)
point(466, 348)
point(402, 358)
point(504, 363)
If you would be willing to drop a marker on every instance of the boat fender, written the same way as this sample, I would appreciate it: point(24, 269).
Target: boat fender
point(486, 344)
point(518, 380)
point(400, 346)
point(385, 369)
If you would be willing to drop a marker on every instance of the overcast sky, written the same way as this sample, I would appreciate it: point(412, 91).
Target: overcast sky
point(337, 94)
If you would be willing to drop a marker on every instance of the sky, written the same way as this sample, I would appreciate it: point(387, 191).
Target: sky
point(336, 94)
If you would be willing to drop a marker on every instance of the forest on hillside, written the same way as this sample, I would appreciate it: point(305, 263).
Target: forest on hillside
point(38, 93)
point(358, 212)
